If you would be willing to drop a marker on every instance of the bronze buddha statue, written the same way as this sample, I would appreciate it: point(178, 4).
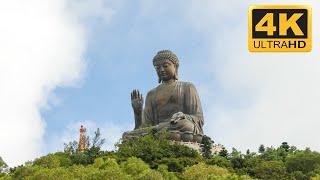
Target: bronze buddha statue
point(173, 105)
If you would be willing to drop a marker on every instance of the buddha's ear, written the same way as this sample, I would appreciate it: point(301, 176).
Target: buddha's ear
point(159, 80)
point(176, 74)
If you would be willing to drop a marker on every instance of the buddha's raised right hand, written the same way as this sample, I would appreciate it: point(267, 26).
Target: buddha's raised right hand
point(136, 101)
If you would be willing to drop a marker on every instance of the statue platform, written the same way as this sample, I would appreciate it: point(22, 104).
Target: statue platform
point(189, 139)
point(172, 135)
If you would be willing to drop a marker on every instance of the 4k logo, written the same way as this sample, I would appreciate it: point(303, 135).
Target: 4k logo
point(279, 28)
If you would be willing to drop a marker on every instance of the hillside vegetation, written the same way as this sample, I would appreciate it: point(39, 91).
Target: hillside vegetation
point(153, 157)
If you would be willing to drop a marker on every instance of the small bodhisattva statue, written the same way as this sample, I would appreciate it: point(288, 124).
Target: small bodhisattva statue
point(173, 105)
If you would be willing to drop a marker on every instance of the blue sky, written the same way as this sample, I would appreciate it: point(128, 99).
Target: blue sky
point(70, 62)
point(119, 58)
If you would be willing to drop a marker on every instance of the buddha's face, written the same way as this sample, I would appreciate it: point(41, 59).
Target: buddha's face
point(166, 70)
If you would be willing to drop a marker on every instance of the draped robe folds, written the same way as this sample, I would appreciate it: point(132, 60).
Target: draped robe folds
point(168, 99)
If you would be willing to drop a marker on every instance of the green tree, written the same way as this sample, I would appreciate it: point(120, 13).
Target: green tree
point(250, 162)
point(88, 156)
point(154, 150)
point(206, 147)
point(224, 152)
point(316, 177)
point(97, 140)
point(163, 169)
point(21, 172)
point(202, 171)
point(271, 170)
point(285, 146)
point(178, 164)
point(94, 149)
point(138, 169)
point(3, 168)
point(299, 175)
point(110, 168)
point(262, 149)
point(55, 160)
point(305, 161)
point(219, 161)
point(52, 174)
point(236, 159)
point(71, 147)
point(3, 165)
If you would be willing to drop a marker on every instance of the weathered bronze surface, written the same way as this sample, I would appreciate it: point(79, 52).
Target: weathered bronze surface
point(173, 105)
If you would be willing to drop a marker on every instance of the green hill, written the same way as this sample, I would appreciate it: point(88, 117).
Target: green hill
point(153, 157)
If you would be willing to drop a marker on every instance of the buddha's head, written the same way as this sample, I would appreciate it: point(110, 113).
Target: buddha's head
point(166, 64)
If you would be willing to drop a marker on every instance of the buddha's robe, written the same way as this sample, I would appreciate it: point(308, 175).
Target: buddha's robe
point(170, 98)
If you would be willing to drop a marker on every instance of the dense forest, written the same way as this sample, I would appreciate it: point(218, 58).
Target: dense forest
point(153, 157)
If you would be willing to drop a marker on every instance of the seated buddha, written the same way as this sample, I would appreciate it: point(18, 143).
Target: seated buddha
point(173, 105)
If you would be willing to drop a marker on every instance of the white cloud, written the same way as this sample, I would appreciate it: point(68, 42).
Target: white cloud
point(276, 96)
point(41, 47)
point(99, 9)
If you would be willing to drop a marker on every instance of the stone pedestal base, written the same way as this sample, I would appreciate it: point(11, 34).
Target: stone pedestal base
point(173, 135)
point(185, 136)
point(189, 139)
point(193, 145)
point(215, 149)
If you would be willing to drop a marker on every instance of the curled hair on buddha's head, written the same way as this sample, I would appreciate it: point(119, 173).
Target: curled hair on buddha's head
point(167, 55)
